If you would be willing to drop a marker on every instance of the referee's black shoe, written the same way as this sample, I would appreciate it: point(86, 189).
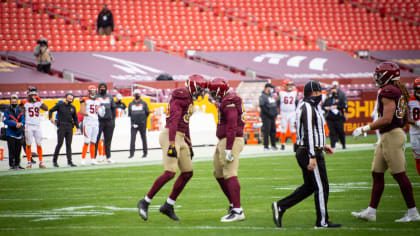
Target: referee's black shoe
point(277, 214)
point(328, 225)
point(168, 210)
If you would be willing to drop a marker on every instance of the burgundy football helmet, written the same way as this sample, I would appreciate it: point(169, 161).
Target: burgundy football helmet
point(218, 88)
point(385, 73)
point(196, 84)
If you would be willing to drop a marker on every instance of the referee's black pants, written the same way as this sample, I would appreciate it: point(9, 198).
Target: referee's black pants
point(336, 128)
point(64, 132)
point(13, 144)
point(269, 131)
point(106, 126)
point(141, 128)
point(315, 181)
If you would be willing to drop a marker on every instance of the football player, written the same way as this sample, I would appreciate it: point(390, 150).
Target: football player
point(389, 154)
point(89, 108)
point(230, 132)
point(176, 146)
point(414, 120)
point(32, 109)
point(287, 111)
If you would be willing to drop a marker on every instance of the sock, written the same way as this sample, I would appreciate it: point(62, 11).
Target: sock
point(406, 189)
point(100, 148)
point(92, 151)
point(39, 151)
point(377, 189)
point(371, 210)
point(84, 150)
point(418, 166)
point(159, 182)
point(147, 199)
point(237, 210)
point(413, 211)
point(282, 138)
point(170, 201)
point(28, 153)
point(234, 191)
point(180, 183)
point(223, 186)
point(103, 149)
point(294, 138)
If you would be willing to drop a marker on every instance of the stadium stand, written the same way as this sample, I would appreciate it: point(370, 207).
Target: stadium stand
point(70, 25)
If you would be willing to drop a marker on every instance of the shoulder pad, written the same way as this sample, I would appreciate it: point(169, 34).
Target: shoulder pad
point(390, 92)
point(181, 93)
point(23, 102)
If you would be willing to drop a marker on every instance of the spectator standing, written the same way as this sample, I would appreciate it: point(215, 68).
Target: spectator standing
point(107, 121)
point(15, 121)
point(335, 109)
point(66, 120)
point(138, 111)
point(105, 21)
point(43, 56)
point(269, 109)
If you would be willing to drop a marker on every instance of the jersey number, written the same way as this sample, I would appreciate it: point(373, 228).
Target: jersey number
point(288, 100)
point(416, 113)
point(400, 110)
point(33, 111)
point(93, 109)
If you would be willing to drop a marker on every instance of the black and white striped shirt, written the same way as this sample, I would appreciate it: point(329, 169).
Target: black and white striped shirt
point(310, 127)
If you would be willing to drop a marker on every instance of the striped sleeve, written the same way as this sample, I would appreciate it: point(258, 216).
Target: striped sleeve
point(308, 129)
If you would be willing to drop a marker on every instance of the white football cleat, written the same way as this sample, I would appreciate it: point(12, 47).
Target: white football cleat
point(233, 216)
point(364, 215)
point(93, 162)
point(409, 218)
point(83, 162)
point(109, 161)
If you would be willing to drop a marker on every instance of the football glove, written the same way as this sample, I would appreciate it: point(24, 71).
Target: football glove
point(172, 151)
point(229, 156)
point(191, 153)
point(360, 130)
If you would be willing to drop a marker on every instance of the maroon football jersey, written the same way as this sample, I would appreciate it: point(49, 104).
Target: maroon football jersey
point(179, 112)
point(231, 121)
point(394, 93)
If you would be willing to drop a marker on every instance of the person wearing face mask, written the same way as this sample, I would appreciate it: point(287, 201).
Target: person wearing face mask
point(138, 111)
point(66, 120)
point(43, 56)
point(107, 121)
point(335, 109)
point(269, 110)
point(15, 121)
point(310, 145)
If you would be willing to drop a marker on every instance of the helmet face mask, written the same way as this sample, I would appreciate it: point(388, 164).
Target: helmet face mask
point(218, 89)
point(386, 72)
point(416, 87)
point(92, 92)
point(32, 92)
point(196, 85)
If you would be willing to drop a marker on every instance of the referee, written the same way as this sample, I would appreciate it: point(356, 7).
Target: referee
point(66, 120)
point(309, 146)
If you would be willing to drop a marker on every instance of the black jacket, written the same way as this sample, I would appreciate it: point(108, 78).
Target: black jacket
point(105, 19)
point(66, 115)
point(138, 111)
point(269, 106)
point(109, 105)
point(341, 107)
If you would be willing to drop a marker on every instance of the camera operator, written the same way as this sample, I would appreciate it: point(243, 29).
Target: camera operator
point(43, 56)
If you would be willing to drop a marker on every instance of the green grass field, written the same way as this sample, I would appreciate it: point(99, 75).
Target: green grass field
point(102, 201)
